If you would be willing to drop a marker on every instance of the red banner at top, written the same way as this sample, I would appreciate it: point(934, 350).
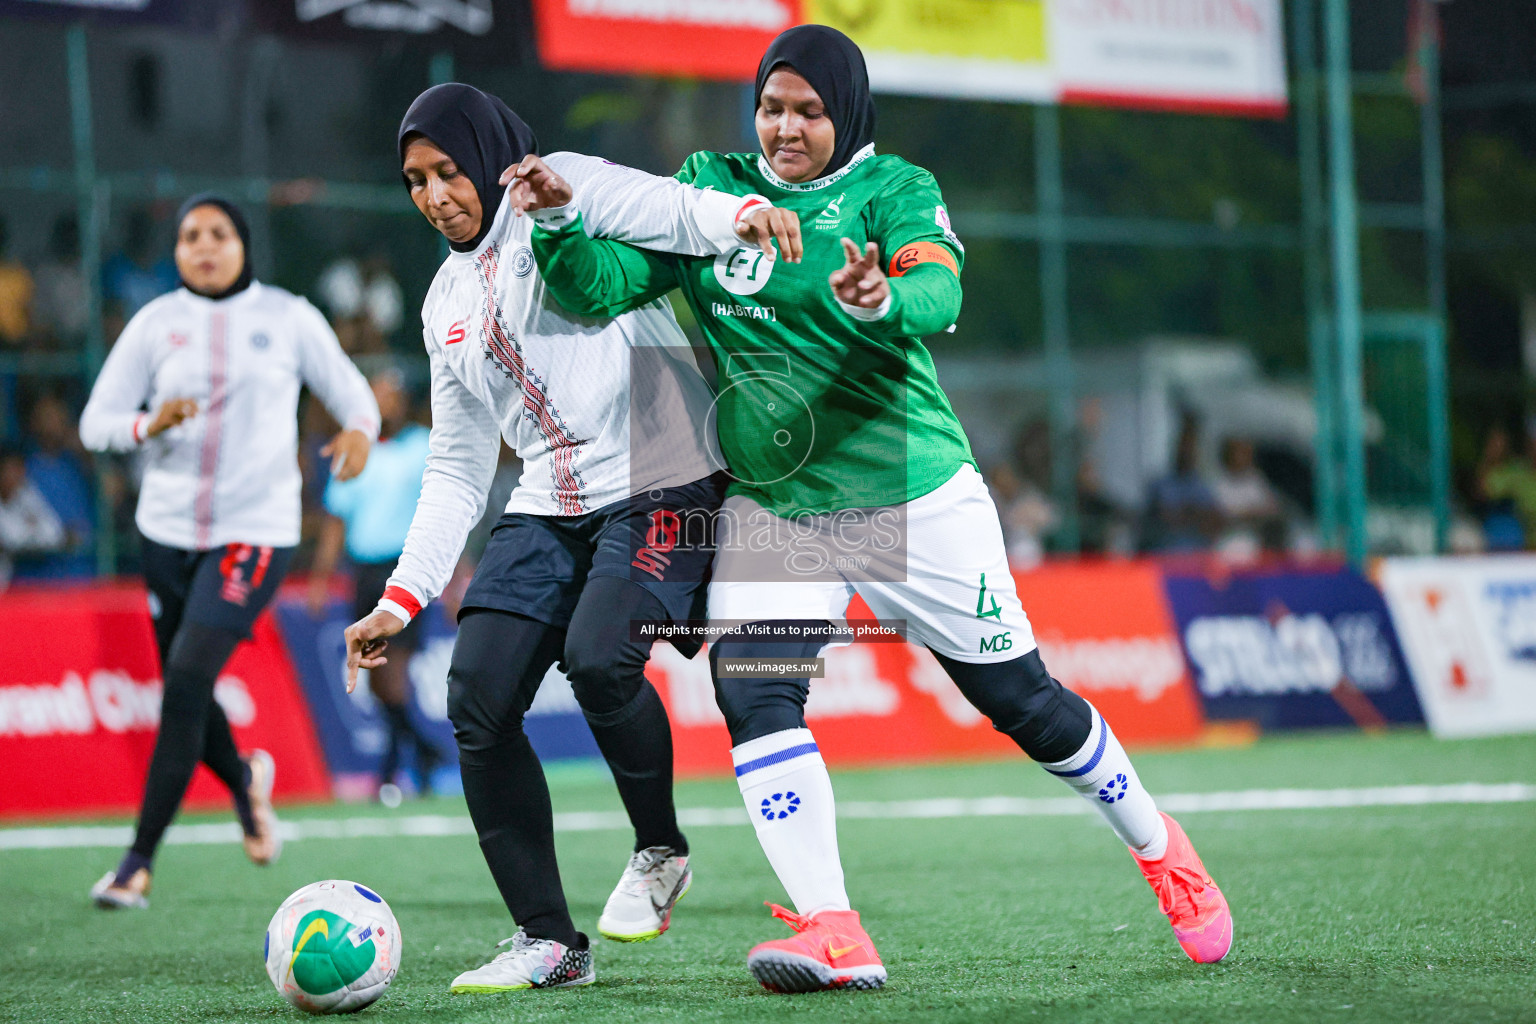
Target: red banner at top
point(721, 39)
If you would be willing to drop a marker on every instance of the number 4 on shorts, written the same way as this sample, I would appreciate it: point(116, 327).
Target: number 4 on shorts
point(995, 612)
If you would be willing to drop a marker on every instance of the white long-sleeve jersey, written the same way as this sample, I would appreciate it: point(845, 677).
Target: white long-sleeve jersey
point(229, 474)
point(597, 409)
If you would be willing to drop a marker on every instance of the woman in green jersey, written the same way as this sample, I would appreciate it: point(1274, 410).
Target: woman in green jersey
point(853, 475)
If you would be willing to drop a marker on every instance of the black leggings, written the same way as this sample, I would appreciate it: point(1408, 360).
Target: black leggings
point(193, 727)
point(498, 662)
point(1049, 722)
point(205, 604)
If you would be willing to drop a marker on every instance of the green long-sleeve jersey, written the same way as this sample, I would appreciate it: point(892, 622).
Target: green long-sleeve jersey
point(816, 410)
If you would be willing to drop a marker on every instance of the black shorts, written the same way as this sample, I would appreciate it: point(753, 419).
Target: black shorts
point(664, 540)
point(225, 588)
point(369, 579)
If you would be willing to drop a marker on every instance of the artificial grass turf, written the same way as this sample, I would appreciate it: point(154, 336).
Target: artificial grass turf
point(1365, 914)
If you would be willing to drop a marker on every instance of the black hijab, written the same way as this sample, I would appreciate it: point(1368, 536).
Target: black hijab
point(479, 132)
point(834, 66)
point(241, 228)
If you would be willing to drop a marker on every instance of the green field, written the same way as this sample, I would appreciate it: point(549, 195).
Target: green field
point(1382, 913)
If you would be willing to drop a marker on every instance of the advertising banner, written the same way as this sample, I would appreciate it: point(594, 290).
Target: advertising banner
point(352, 727)
point(80, 703)
point(720, 39)
point(1293, 649)
point(1188, 55)
point(1104, 630)
point(1469, 630)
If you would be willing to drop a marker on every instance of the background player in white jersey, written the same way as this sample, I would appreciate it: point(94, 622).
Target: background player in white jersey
point(218, 365)
point(609, 525)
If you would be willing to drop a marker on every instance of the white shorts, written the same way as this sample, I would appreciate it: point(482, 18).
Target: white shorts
point(947, 579)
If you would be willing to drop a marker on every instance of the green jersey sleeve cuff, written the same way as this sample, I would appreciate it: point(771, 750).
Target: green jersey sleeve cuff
point(559, 219)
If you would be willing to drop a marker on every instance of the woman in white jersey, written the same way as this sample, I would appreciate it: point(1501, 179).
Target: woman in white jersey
point(610, 526)
point(205, 382)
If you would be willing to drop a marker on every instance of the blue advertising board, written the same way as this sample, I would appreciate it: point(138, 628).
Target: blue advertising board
point(351, 727)
point(1293, 649)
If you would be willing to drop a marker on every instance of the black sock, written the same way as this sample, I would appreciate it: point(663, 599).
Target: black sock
point(498, 661)
point(130, 863)
point(223, 758)
point(606, 667)
point(509, 802)
point(636, 741)
point(197, 655)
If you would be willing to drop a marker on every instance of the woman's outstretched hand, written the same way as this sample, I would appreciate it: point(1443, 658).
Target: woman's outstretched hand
point(771, 224)
point(366, 640)
point(535, 186)
point(860, 282)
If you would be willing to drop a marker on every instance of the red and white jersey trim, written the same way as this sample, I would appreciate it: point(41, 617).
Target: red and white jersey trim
point(400, 603)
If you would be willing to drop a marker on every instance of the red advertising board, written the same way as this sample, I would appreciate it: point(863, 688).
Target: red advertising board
point(1104, 630)
point(80, 703)
point(720, 39)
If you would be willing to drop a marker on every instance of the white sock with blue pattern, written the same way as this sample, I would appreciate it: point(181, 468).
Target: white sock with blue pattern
point(788, 794)
point(1102, 772)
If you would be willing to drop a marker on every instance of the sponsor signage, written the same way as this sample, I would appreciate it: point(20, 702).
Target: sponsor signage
point(80, 705)
point(478, 28)
point(352, 727)
point(1469, 630)
point(1105, 631)
point(1293, 649)
point(1213, 56)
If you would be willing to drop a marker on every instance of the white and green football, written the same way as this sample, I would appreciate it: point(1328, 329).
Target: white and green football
point(333, 947)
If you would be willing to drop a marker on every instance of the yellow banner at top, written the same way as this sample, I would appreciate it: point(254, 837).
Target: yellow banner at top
point(1002, 30)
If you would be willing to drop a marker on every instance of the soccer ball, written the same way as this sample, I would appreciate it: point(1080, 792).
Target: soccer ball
point(332, 947)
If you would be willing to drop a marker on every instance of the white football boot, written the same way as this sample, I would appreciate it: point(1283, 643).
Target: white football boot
point(267, 844)
point(529, 963)
point(132, 894)
point(640, 908)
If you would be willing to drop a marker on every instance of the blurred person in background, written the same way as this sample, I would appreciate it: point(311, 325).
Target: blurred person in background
point(365, 302)
point(1507, 485)
point(1250, 508)
point(58, 466)
point(28, 526)
point(16, 289)
point(134, 275)
point(1182, 515)
point(205, 382)
point(369, 516)
point(1025, 512)
point(59, 307)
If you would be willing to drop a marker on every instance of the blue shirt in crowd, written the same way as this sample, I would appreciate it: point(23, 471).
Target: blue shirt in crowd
point(378, 503)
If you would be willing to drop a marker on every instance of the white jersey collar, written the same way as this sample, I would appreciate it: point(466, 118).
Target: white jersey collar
point(766, 170)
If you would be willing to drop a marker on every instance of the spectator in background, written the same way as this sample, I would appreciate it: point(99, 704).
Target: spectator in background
point(364, 300)
point(370, 516)
point(134, 275)
point(15, 295)
point(1249, 506)
point(59, 305)
point(1026, 514)
point(28, 526)
point(1182, 514)
point(1508, 485)
point(58, 468)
